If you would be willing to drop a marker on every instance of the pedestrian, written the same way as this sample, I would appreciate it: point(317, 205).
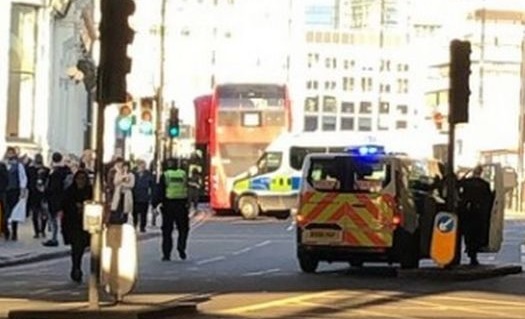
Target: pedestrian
point(142, 194)
point(72, 223)
point(474, 208)
point(194, 188)
point(37, 175)
point(54, 196)
point(172, 193)
point(122, 200)
point(3, 189)
point(16, 190)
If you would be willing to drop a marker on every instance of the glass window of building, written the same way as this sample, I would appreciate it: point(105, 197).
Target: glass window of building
point(347, 107)
point(402, 109)
point(365, 124)
point(22, 67)
point(311, 104)
point(383, 122)
point(401, 124)
point(329, 123)
point(384, 108)
point(310, 123)
point(365, 108)
point(347, 124)
point(329, 104)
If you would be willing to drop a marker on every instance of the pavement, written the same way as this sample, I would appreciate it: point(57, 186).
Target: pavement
point(136, 306)
point(28, 249)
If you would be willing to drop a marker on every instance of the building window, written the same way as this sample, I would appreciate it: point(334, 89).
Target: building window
point(22, 66)
point(365, 108)
point(311, 104)
point(347, 107)
point(310, 123)
point(329, 104)
point(402, 109)
point(384, 108)
point(365, 124)
point(383, 122)
point(348, 84)
point(366, 84)
point(401, 125)
point(329, 123)
point(347, 123)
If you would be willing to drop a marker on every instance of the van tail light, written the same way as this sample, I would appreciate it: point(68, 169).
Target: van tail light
point(397, 220)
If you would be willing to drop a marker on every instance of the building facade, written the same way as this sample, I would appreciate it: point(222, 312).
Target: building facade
point(42, 103)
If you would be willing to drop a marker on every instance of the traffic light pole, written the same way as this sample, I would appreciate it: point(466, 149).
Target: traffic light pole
point(98, 192)
point(159, 145)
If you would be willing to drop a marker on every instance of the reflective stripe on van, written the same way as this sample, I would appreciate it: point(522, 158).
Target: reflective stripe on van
point(366, 220)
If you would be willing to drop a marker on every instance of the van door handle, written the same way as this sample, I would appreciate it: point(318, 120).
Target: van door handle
point(359, 205)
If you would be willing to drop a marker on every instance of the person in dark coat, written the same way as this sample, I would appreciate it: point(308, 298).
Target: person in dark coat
point(37, 180)
point(55, 196)
point(474, 207)
point(142, 195)
point(72, 222)
point(3, 188)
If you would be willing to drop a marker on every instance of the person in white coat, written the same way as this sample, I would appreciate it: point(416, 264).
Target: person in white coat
point(122, 201)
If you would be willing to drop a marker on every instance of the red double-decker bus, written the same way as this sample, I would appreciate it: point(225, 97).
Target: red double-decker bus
point(234, 125)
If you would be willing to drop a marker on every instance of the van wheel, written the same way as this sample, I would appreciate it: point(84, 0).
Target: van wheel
point(249, 207)
point(308, 263)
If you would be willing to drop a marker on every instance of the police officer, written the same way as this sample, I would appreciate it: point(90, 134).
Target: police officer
point(474, 208)
point(172, 193)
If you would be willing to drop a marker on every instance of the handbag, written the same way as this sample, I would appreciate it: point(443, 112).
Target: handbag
point(19, 211)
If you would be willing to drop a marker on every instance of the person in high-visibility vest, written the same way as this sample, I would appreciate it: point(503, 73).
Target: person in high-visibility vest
point(172, 193)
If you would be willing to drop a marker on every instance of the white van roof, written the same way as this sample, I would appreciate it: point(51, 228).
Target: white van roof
point(399, 142)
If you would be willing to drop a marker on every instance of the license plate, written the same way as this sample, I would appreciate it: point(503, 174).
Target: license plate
point(322, 236)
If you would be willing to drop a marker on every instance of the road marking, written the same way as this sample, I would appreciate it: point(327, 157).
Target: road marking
point(242, 251)
point(264, 243)
point(277, 303)
point(210, 260)
point(523, 254)
point(261, 273)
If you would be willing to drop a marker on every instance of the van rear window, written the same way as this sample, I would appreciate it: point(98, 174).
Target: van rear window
point(349, 174)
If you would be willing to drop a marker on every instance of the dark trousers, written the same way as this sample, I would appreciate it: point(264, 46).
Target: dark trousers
point(140, 214)
point(39, 218)
point(3, 214)
point(79, 242)
point(12, 197)
point(175, 211)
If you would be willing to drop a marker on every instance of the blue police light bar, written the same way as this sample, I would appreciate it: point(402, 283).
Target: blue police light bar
point(367, 150)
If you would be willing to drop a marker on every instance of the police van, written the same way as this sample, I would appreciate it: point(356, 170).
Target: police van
point(364, 205)
point(272, 185)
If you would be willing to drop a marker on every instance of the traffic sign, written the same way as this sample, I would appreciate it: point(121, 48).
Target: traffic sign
point(444, 236)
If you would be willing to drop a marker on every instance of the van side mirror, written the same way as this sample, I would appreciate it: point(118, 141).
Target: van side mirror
point(253, 170)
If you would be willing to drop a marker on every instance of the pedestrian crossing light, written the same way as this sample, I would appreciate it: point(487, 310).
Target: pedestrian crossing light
point(173, 125)
point(125, 120)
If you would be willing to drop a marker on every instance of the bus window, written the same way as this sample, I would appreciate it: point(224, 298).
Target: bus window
point(269, 162)
point(297, 155)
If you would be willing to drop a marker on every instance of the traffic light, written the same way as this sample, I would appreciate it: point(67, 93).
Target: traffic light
point(459, 90)
point(146, 116)
point(115, 36)
point(124, 120)
point(173, 123)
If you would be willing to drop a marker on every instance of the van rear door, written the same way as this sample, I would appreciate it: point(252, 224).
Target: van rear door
point(343, 202)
